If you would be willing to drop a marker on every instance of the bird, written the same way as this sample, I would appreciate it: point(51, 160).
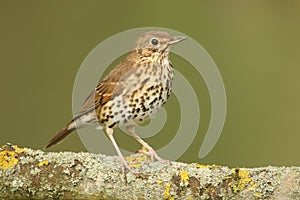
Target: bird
point(131, 93)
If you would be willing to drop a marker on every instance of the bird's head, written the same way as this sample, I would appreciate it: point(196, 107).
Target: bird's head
point(156, 41)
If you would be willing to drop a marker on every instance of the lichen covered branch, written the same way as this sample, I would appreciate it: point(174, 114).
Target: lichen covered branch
point(34, 174)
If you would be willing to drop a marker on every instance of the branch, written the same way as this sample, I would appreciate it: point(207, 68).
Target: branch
point(34, 174)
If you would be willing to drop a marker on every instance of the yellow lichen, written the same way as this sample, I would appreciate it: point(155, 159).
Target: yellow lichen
point(17, 149)
point(242, 181)
point(43, 163)
point(8, 159)
point(184, 176)
point(257, 195)
point(253, 186)
point(136, 161)
point(167, 194)
point(159, 182)
point(204, 166)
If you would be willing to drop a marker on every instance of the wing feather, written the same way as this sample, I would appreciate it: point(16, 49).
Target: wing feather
point(112, 85)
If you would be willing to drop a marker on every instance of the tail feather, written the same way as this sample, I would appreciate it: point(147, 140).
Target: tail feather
point(61, 135)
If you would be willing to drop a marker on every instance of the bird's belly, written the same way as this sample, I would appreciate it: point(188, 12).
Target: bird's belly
point(135, 106)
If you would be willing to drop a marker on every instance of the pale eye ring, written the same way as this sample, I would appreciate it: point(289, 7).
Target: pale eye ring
point(154, 41)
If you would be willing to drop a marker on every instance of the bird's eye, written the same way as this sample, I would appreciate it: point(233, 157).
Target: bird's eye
point(154, 41)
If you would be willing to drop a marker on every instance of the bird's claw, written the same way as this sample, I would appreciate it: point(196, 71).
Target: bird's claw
point(153, 155)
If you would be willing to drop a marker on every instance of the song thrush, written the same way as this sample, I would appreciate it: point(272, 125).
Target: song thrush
point(131, 93)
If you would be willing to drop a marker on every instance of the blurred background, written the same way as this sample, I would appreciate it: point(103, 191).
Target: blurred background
point(255, 45)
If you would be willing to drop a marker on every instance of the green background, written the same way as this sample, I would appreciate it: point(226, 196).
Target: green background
point(255, 44)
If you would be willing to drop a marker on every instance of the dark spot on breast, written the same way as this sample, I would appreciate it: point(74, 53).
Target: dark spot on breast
point(112, 125)
point(137, 74)
point(145, 81)
point(133, 93)
point(167, 83)
point(154, 100)
point(150, 88)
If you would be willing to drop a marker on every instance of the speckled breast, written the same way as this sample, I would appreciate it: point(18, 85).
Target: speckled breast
point(145, 91)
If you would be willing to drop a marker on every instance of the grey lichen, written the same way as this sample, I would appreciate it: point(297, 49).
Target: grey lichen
point(34, 174)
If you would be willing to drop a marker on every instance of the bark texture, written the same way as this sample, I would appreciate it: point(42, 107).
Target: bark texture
point(34, 174)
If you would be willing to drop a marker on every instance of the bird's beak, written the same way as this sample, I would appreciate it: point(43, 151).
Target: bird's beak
point(176, 39)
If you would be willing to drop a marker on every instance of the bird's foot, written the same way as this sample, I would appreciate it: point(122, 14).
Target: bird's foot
point(125, 166)
point(153, 155)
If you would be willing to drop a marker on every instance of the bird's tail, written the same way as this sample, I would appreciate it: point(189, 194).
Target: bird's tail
point(69, 128)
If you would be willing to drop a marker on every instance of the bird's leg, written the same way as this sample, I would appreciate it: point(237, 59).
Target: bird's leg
point(109, 132)
point(150, 151)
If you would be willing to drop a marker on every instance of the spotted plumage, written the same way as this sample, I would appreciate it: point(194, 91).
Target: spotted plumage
point(131, 93)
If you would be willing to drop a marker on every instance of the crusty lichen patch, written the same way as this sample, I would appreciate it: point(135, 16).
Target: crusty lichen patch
point(37, 170)
point(9, 156)
point(204, 166)
point(241, 180)
point(167, 194)
point(43, 163)
point(8, 159)
point(184, 176)
point(136, 161)
point(53, 175)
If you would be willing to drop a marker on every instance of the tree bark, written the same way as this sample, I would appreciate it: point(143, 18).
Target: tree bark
point(34, 174)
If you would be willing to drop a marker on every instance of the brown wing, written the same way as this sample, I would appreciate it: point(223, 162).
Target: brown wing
point(112, 85)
